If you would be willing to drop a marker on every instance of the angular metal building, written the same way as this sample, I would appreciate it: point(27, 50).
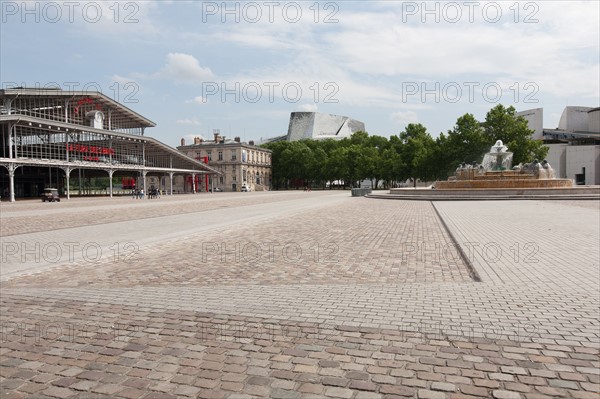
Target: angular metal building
point(316, 125)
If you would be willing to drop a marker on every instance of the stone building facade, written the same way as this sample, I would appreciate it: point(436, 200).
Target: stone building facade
point(241, 164)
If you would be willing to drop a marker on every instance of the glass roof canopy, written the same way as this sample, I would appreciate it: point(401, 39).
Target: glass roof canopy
point(83, 130)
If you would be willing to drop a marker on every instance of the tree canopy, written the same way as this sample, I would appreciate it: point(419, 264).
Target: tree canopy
point(503, 124)
point(412, 154)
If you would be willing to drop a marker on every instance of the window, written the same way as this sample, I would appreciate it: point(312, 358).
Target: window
point(220, 155)
point(234, 178)
point(208, 153)
point(233, 155)
point(221, 179)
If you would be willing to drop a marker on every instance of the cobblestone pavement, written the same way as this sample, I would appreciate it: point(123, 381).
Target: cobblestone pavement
point(33, 216)
point(306, 295)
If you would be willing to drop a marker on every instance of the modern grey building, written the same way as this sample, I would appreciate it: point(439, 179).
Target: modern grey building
point(316, 125)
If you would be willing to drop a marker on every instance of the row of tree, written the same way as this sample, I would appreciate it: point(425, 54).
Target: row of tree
point(411, 155)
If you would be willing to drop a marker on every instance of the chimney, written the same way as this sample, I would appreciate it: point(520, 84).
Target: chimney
point(237, 139)
point(222, 139)
point(196, 140)
point(251, 142)
point(182, 142)
point(216, 137)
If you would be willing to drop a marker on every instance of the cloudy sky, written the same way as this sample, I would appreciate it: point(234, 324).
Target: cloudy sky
point(243, 67)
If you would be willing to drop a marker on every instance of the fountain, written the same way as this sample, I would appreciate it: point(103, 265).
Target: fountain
point(498, 158)
point(496, 172)
point(496, 179)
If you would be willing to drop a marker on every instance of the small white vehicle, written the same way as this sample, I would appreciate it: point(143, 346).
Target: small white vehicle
point(245, 188)
point(50, 195)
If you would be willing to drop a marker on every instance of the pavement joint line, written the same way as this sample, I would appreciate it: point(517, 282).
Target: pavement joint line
point(472, 271)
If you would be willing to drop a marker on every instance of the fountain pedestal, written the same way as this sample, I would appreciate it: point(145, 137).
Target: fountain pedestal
point(495, 172)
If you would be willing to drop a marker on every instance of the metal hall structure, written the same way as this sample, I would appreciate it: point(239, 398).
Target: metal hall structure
point(46, 134)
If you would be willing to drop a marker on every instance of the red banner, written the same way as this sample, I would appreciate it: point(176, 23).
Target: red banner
point(90, 149)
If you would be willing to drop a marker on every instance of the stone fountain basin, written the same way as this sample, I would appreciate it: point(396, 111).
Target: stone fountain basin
point(512, 182)
point(477, 194)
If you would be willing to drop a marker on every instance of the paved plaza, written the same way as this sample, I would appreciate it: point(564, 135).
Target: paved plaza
point(299, 295)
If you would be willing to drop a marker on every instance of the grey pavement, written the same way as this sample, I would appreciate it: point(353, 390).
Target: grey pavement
point(316, 295)
point(34, 252)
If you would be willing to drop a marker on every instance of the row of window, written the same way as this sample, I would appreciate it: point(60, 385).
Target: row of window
point(254, 156)
point(259, 178)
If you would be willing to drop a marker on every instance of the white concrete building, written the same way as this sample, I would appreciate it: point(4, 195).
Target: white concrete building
point(535, 120)
point(574, 145)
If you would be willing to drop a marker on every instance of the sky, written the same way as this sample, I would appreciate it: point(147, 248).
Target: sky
point(243, 67)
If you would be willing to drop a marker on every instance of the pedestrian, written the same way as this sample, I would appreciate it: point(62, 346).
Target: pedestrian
point(142, 193)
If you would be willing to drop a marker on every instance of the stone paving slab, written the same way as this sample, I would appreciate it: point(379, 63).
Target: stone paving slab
point(34, 216)
point(111, 349)
point(320, 246)
point(554, 317)
point(120, 242)
point(537, 242)
point(370, 327)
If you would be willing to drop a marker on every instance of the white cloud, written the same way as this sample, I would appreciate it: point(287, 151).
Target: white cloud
point(135, 20)
point(188, 121)
point(197, 100)
point(368, 55)
point(120, 79)
point(307, 108)
point(184, 68)
point(380, 45)
point(404, 117)
point(354, 67)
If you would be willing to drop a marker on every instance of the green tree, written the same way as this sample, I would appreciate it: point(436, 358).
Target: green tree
point(279, 163)
point(380, 145)
point(336, 164)
point(359, 138)
point(503, 124)
point(319, 168)
point(367, 162)
point(389, 165)
point(303, 160)
point(417, 148)
point(466, 142)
